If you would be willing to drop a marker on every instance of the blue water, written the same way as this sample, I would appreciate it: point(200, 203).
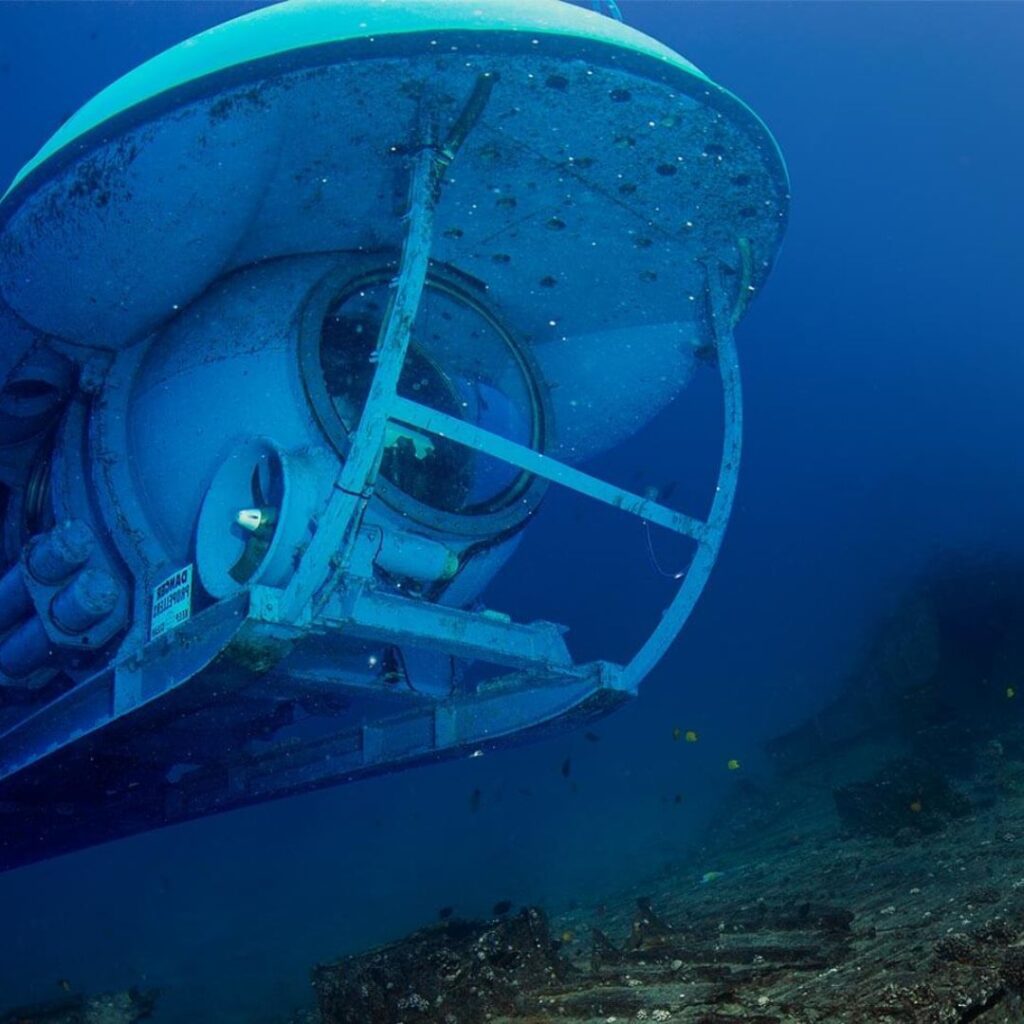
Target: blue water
point(884, 424)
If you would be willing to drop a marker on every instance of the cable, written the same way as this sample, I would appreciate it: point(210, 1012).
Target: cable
point(654, 558)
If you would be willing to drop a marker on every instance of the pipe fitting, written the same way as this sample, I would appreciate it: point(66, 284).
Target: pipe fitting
point(54, 556)
point(91, 596)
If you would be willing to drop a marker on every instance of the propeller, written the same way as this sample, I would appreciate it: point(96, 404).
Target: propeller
point(259, 520)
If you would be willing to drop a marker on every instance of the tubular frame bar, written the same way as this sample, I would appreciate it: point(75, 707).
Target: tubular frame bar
point(432, 421)
point(331, 546)
point(675, 615)
point(708, 535)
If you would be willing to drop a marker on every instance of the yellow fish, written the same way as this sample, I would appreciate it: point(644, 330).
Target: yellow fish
point(691, 736)
point(676, 733)
point(710, 876)
point(567, 936)
point(915, 806)
point(1010, 693)
point(732, 764)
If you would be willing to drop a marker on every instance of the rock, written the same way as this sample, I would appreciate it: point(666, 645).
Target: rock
point(465, 971)
point(905, 796)
point(112, 1008)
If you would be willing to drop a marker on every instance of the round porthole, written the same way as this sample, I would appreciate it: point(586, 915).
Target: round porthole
point(461, 361)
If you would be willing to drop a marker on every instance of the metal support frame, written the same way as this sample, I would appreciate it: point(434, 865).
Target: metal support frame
point(322, 569)
point(676, 614)
point(708, 535)
point(332, 544)
point(536, 647)
point(441, 424)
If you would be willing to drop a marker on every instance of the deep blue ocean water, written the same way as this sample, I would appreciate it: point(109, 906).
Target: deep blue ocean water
point(882, 369)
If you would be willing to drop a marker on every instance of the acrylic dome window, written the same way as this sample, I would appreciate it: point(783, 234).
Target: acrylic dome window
point(423, 269)
point(463, 362)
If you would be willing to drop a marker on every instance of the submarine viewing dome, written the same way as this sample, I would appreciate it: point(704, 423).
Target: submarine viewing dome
point(302, 322)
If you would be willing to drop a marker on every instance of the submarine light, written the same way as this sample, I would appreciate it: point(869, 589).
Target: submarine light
point(300, 321)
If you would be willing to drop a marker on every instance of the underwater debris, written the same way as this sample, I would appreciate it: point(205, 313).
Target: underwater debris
point(649, 931)
point(469, 972)
point(695, 971)
point(110, 1008)
point(603, 953)
point(760, 952)
point(904, 794)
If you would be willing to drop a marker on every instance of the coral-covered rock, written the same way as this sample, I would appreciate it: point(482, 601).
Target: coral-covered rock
point(459, 971)
point(112, 1008)
point(905, 794)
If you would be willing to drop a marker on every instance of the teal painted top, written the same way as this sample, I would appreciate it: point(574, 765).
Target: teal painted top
point(302, 23)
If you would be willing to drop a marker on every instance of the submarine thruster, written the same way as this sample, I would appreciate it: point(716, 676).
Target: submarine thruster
point(300, 321)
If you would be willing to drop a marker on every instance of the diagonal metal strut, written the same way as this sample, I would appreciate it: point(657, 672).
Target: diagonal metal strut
point(434, 422)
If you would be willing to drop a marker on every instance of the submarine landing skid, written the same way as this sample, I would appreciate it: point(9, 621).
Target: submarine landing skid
point(122, 752)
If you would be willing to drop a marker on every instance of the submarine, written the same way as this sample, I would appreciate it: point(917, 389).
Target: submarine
point(301, 321)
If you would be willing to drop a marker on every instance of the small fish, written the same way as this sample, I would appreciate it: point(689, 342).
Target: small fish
point(445, 912)
point(501, 908)
point(732, 764)
point(63, 984)
point(567, 936)
point(691, 736)
point(1010, 693)
point(566, 768)
point(677, 734)
point(711, 876)
point(592, 736)
point(915, 806)
point(678, 798)
point(474, 801)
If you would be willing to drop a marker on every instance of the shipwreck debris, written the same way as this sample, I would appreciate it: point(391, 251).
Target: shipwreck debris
point(904, 798)
point(110, 1008)
point(471, 972)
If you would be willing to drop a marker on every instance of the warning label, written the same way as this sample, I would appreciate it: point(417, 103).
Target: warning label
point(172, 602)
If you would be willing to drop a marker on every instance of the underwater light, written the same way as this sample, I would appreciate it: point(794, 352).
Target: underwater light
point(300, 320)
